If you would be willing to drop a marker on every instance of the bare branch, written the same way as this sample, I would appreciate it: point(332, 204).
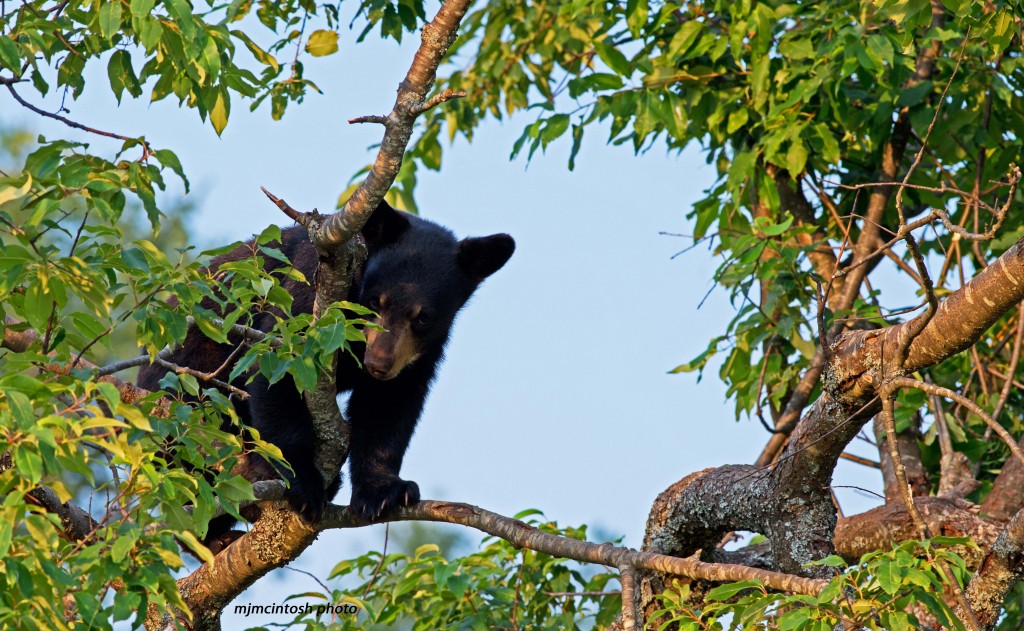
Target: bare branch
point(371, 118)
point(71, 123)
point(627, 576)
point(906, 382)
point(859, 460)
point(526, 536)
point(134, 362)
point(198, 374)
point(293, 214)
point(437, 99)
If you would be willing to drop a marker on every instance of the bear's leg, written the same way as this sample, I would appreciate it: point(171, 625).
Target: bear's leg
point(280, 414)
point(383, 419)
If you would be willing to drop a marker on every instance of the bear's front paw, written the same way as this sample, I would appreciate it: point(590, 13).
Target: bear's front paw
point(377, 499)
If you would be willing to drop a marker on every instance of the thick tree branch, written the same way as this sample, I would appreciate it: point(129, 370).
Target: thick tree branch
point(790, 502)
point(1001, 569)
point(76, 521)
point(879, 528)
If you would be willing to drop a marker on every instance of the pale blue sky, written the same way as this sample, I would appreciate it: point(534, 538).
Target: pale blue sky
point(555, 394)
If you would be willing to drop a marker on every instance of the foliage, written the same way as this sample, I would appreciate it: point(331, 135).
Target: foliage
point(76, 267)
point(894, 590)
point(793, 102)
point(498, 586)
point(786, 99)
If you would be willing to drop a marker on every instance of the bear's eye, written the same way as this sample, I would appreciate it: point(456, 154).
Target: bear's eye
point(422, 320)
point(374, 303)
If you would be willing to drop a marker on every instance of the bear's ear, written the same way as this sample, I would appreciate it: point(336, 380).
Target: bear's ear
point(384, 226)
point(480, 257)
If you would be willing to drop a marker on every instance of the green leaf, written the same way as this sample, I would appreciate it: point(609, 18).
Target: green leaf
point(796, 158)
point(684, 38)
point(915, 94)
point(322, 43)
point(889, 576)
point(170, 160)
point(613, 58)
point(830, 147)
point(1004, 27)
point(29, 463)
point(150, 32)
point(110, 18)
point(636, 15)
point(141, 8)
point(9, 56)
point(38, 305)
point(737, 119)
point(555, 127)
point(122, 545)
point(176, 517)
point(725, 592)
point(577, 140)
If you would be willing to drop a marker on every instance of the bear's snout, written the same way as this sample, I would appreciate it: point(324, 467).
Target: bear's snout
point(378, 366)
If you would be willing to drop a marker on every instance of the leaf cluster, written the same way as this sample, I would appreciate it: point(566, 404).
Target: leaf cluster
point(898, 589)
point(498, 586)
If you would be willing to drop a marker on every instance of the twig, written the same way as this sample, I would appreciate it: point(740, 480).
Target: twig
point(370, 118)
point(437, 99)
point(68, 122)
point(383, 555)
point(899, 469)
point(860, 460)
point(293, 214)
point(1014, 361)
point(515, 598)
point(574, 594)
point(185, 370)
point(323, 586)
point(930, 388)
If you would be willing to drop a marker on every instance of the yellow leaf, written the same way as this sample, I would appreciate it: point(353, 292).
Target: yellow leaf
point(8, 192)
point(322, 43)
point(195, 546)
point(219, 113)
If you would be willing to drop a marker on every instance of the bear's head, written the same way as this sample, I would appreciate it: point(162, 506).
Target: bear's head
point(417, 276)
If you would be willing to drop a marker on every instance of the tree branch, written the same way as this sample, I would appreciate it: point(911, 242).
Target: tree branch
point(412, 101)
point(20, 341)
point(71, 123)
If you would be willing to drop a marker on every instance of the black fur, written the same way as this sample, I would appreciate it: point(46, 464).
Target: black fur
point(424, 276)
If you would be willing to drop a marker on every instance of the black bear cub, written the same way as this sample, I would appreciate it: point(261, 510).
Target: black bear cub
point(417, 277)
